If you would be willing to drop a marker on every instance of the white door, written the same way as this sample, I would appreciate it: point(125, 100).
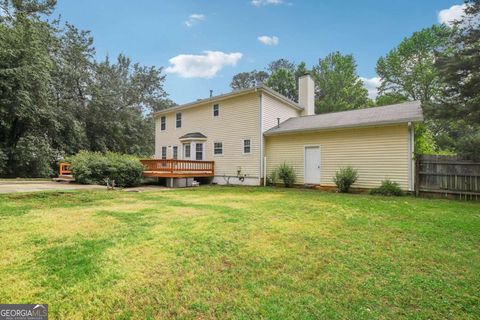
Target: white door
point(312, 165)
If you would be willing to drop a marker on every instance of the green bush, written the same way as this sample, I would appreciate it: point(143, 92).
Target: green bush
point(344, 178)
point(286, 174)
point(272, 177)
point(388, 188)
point(95, 167)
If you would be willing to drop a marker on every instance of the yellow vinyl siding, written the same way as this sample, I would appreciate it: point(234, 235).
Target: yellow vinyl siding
point(377, 153)
point(239, 118)
point(274, 108)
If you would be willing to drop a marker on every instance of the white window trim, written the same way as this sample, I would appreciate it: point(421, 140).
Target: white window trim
point(243, 147)
point(184, 153)
point(203, 151)
point(173, 152)
point(181, 120)
point(166, 152)
point(163, 117)
point(213, 110)
point(213, 149)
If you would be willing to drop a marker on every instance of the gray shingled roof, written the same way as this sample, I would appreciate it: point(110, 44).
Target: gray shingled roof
point(392, 114)
point(230, 95)
point(193, 135)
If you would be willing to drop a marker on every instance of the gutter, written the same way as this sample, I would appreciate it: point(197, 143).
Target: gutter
point(393, 122)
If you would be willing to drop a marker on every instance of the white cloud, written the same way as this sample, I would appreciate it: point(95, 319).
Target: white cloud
point(194, 19)
point(260, 3)
point(371, 84)
point(448, 16)
point(202, 66)
point(269, 41)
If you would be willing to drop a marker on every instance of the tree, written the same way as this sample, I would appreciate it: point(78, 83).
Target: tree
point(389, 98)
point(338, 86)
point(459, 68)
point(250, 79)
point(408, 70)
point(72, 76)
point(55, 99)
point(281, 64)
point(26, 114)
point(124, 95)
point(283, 81)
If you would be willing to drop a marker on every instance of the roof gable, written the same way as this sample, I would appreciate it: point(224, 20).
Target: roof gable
point(230, 95)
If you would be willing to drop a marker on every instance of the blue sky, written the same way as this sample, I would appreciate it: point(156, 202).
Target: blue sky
point(203, 43)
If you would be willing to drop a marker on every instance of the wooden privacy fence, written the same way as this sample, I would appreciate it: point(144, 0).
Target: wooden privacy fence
point(447, 175)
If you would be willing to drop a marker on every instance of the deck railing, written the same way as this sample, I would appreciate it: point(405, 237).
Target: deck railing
point(65, 168)
point(179, 167)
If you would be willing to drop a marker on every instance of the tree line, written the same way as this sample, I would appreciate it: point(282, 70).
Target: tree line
point(439, 66)
point(57, 99)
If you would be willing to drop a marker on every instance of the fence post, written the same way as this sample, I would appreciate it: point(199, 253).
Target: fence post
point(416, 183)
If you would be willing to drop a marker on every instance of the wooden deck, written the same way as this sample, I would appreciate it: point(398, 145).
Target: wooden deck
point(171, 168)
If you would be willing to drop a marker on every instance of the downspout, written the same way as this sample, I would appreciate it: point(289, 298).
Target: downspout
point(411, 160)
point(261, 138)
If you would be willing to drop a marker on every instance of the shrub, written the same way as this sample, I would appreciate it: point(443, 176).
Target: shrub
point(388, 188)
point(286, 174)
point(344, 178)
point(95, 167)
point(272, 177)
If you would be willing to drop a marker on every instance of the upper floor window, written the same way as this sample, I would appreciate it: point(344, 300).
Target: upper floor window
point(164, 152)
point(218, 148)
point(178, 120)
point(163, 123)
point(247, 146)
point(216, 110)
point(175, 152)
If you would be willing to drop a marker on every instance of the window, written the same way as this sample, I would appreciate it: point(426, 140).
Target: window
point(216, 110)
point(163, 123)
point(179, 120)
point(218, 148)
point(186, 150)
point(175, 152)
point(198, 151)
point(246, 146)
point(164, 152)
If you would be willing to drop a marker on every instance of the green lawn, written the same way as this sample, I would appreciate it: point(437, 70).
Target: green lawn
point(242, 253)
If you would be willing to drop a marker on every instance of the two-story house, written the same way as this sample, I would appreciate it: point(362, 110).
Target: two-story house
point(248, 133)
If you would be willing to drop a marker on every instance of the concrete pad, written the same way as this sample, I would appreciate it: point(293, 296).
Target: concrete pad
point(33, 186)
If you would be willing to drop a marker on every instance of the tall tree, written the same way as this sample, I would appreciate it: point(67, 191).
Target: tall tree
point(72, 76)
point(389, 98)
point(338, 86)
point(459, 68)
point(250, 79)
point(283, 81)
point(27, 118)
point(55, 99)
point(123, 96)
point(408, 70)
point(281, 64)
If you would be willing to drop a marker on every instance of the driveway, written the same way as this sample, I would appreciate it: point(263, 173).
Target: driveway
point(32, 186)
